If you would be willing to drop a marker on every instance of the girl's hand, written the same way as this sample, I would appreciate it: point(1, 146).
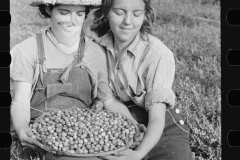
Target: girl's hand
point(124, 155)
point(139, 138)
point(20, 113)
point(26, 136)
point(97, 104)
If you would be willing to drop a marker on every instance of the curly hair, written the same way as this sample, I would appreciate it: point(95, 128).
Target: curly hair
point(100, 22)
point(43, 13)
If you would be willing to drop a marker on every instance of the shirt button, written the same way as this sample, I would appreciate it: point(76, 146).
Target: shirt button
point(182, 122)
point(177, 111)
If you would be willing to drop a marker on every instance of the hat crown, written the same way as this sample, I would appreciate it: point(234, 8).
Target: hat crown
point(69, 2)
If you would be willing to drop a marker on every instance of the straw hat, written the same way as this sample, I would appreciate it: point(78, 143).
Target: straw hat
point(70, 2)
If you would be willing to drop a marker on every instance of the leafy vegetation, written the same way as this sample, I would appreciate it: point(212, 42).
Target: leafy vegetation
point(191, 29)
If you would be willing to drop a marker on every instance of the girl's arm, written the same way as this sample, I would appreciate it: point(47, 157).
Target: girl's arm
point(154, 131)
point(116, 106)
point(20, 112)
point(156, 123)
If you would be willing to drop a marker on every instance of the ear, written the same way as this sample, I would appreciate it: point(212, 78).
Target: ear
point(48, 10)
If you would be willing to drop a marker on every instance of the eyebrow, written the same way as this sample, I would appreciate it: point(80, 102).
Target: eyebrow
point(133, 10)
point(138, 11)
point(69, 10)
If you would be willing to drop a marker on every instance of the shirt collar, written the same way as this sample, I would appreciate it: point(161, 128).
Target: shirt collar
point(133, 46)
point(107, 41)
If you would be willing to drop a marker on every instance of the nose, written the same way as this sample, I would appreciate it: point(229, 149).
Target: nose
point(128, 19)
point(73, 17)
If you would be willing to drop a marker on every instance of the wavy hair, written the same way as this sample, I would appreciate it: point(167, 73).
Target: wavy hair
point(100, 22)
point(43, 13)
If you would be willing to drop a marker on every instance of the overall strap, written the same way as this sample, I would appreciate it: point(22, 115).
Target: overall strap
point(77, 59)
point(107, 59)
point(41, 56)
point(81, 49)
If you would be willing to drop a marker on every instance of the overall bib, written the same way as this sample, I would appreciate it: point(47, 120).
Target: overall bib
point(61, 88)
point(58, 89)
point(174, 142)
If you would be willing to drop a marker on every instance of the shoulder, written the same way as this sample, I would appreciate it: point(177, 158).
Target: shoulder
point(27, 48)
point(93, 47)
point(157, 50)
point(23, 60)
point(29, 41)
point(95, 58)
point(94, 54)
point(156, 46)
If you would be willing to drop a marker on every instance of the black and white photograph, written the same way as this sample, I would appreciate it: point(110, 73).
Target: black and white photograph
point(115, 80)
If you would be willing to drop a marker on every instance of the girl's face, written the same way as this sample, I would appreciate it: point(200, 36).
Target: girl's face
point(126, 18)
point(68, 18)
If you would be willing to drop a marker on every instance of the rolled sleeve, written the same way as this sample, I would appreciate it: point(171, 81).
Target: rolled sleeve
point(103, 91)
point(95, 60)
point(163, 95)
point(159, 80)
point(22, 66)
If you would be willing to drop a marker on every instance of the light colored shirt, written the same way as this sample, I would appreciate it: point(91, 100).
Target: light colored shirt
point(71, 49)
point(24, 67)
point(144, 73)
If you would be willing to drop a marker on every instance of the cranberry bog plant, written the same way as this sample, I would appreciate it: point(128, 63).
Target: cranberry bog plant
point(191, 29)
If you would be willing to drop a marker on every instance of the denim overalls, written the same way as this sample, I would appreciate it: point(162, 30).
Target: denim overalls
point(61, 88)
point(174, 142)
point(58, 89)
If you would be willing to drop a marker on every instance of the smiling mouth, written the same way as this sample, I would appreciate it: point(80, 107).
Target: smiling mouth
point(127, 29)
point(67, 24)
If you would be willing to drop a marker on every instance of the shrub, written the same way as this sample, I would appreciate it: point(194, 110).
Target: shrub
point(201, 108)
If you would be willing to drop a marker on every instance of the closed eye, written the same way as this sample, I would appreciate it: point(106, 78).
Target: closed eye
point(81, 13)
point(119, 11)
point(64, 12)
point(138, 13)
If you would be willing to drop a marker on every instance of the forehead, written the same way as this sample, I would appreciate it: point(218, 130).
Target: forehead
point(70, 7)
point(129, 4)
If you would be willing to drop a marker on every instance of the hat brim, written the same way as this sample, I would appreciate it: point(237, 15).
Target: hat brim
point(35, 3)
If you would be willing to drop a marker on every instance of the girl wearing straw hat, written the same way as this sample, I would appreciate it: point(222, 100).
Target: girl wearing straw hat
point(56, 69)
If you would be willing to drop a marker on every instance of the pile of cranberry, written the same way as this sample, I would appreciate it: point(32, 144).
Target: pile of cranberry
point(83, 131)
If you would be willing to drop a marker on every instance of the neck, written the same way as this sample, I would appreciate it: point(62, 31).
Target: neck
point(67, 39)
point(121, 46)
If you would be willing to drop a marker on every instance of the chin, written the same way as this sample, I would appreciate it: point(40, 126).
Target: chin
point(125, 39)
point(72, 31)
point(69, 29)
